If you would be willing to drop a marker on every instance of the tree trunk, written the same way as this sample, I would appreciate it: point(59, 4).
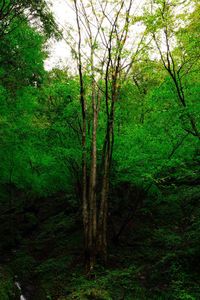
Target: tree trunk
point(95, 229)
point(92, 191)
point(103, 210)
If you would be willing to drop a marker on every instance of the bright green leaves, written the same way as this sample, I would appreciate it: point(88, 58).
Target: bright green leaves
point(40, 113)
point(21, 57)
point(36, 11)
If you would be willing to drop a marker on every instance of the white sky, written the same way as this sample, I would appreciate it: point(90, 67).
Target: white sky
point(59, 52)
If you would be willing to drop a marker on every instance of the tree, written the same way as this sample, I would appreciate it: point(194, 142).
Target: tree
point(35, 11)
point(107, 27)
point(178, 58)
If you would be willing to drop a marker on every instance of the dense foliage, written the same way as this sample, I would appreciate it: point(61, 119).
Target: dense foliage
point(154, 212)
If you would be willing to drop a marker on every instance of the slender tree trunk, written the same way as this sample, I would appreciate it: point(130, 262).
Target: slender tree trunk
point(103, 210)
point(92, 188)
point(95, 209)
point(85, 208)
point(102, 221)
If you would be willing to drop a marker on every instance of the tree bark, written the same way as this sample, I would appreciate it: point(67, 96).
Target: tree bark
point(95, 208)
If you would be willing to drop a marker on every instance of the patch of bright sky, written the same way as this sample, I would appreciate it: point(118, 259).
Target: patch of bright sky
point(59, 51)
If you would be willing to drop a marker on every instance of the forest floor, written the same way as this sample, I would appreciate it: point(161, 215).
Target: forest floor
point(153, 258)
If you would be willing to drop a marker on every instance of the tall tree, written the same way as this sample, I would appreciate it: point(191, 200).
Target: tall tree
point(107, 26)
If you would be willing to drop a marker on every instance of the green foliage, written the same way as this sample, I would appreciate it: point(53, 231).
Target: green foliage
point(109, 284)
point(22, 264)
point(23, 9)
point(94, 294)
point(154, 213)
point(7, 290)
